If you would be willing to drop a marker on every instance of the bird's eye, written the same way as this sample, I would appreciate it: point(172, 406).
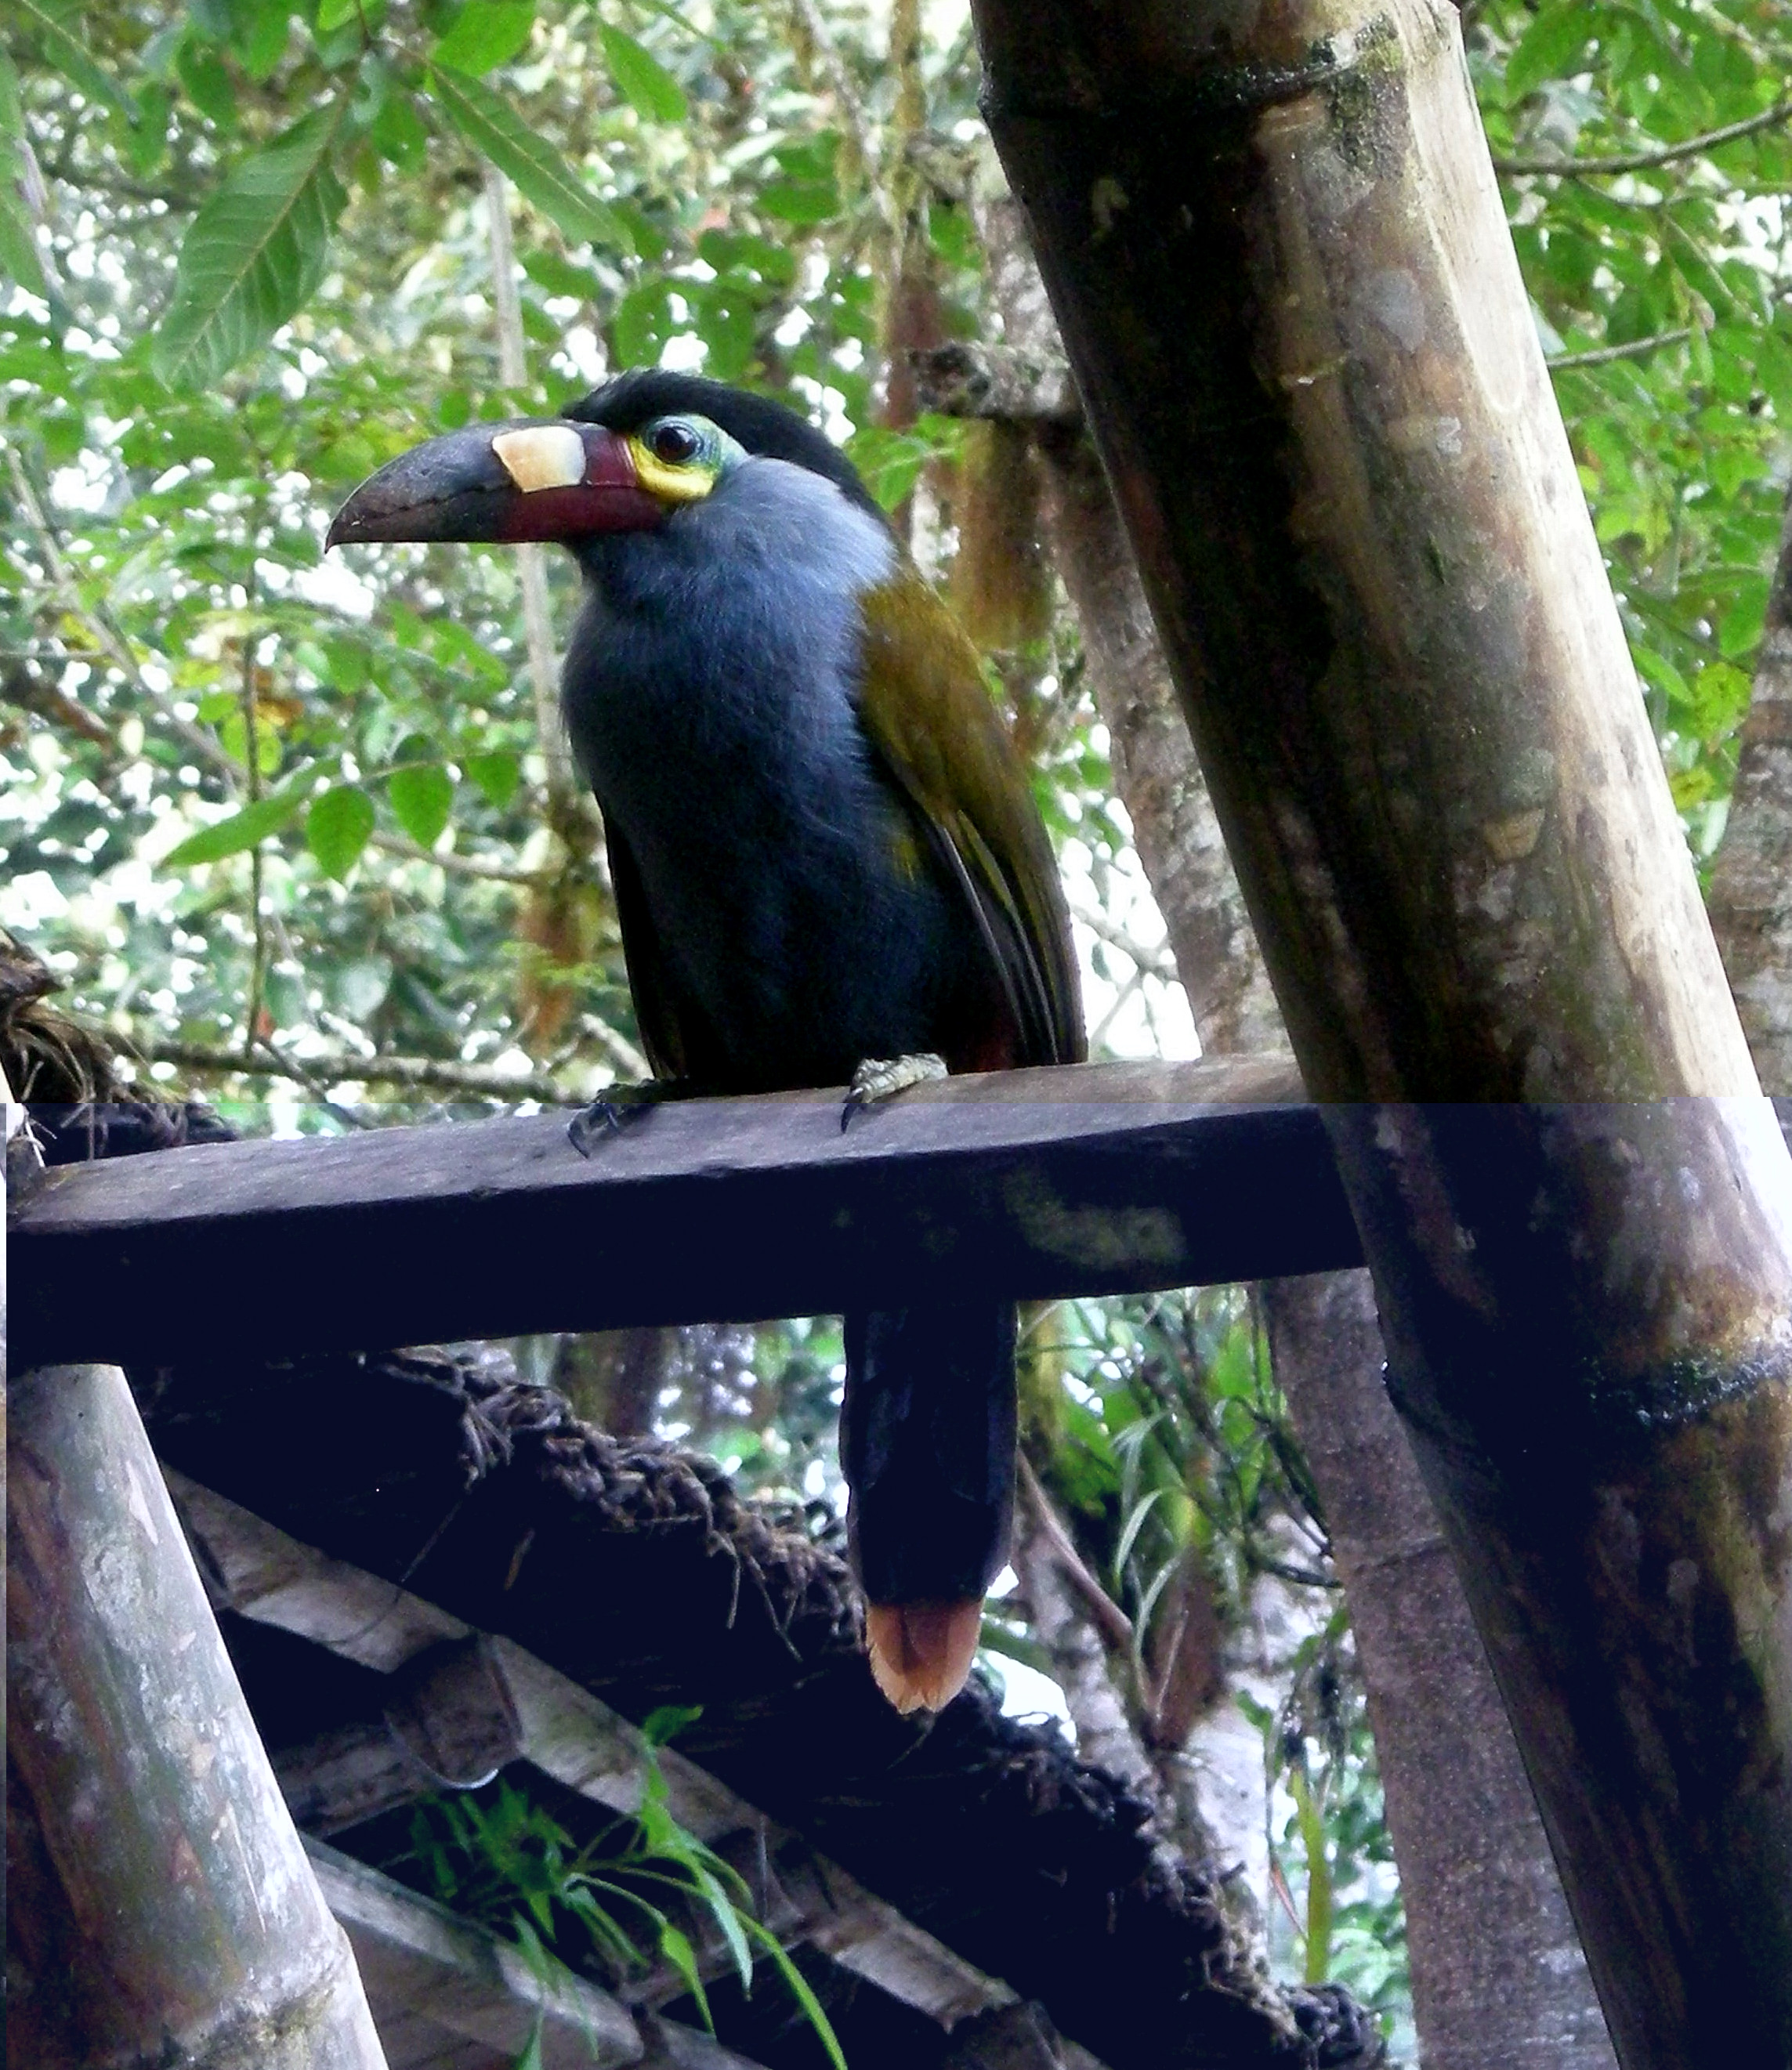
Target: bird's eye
point(675, 443)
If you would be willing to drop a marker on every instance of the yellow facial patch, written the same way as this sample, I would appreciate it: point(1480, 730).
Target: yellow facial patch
point(541, 456)
point(688, 483)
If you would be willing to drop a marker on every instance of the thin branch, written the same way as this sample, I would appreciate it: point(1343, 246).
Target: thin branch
point(1113, 1623)
point(1156, 963)
point(424, 1073)
point(1603, 355)
point(458, 866)
point(1664, 154)
point(106, 636)
point(20, 685)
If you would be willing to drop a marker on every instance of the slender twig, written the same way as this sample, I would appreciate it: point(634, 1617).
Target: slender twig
point(1663, 154)
point(1156, 963)
point(1113, 1623)
point(423, 1073)
point(1603, 355)
point(105, 636)
point(1098, 1033)
point(458, 864)
point(251, 734)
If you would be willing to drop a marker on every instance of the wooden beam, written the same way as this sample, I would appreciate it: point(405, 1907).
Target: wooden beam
point(454, 1978)
point(1087, 1180)
point(491, 1692)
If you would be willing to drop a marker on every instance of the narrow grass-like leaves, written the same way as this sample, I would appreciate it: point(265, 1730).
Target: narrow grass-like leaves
point(254, 254)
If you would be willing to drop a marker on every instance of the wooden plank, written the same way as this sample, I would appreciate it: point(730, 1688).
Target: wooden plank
point(416, 1956)
point(571, 1735)
point(1084, 1180)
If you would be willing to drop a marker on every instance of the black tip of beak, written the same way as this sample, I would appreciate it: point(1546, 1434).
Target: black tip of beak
point(454, 487)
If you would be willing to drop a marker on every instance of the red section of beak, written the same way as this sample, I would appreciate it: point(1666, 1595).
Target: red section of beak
point(455, 487)
point(610, 499)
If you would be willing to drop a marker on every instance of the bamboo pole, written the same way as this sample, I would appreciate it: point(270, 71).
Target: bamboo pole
point(161, 1908)
point(1277, 254)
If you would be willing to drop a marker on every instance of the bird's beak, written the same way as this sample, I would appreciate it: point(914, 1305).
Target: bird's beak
point(534, 479)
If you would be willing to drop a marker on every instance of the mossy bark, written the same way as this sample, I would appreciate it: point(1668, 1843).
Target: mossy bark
point(1751, 888)
point(1278, 257)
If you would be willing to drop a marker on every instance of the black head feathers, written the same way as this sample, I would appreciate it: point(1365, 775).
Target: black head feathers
point(761, 426)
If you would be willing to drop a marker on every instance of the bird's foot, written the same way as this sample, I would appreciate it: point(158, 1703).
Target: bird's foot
point(879, 1078)
point(613, 1107)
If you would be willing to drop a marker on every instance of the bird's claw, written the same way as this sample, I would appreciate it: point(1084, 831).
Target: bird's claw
point(880, 1078)
point(608, 1114)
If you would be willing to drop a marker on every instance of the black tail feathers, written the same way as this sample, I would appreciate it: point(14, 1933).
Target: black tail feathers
point(927, 1440)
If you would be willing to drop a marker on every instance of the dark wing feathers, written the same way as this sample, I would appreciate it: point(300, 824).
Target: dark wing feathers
point(655, 1013)
point(926, 710)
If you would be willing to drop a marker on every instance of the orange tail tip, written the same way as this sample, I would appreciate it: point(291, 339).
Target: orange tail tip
point(921, 1653)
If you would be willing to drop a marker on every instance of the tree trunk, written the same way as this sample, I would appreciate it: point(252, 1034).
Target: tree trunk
point(1499, 1980)
point(1280, 262)
point(162, 1911)
point(1751, 889)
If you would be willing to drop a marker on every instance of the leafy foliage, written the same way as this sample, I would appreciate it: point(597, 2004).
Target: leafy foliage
point(639, 1888)
point(1679, 264)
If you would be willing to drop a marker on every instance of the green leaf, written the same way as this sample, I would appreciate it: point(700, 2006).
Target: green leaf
point(645, 84)
point(677, 1949)
point(543, 177)
point(334, 15)
point(337, 828)
point(12, 108)
point(19, 253)
point(260, 36)
point(253, 254)
point(208, 82)
point(800, 202)
point(486, 33)
point(1739, 629)
point(65, 50)
point(496, 776)
point(1550, 48)
point(422, 796)
point(242, 830)
point(531, 2057)
point(555, 276)
point(1135, 1524)
point(398, 134)
point(664, 1724)
point(799, 1987)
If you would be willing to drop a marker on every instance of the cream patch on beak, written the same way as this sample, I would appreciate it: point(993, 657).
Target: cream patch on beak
point(541, 456)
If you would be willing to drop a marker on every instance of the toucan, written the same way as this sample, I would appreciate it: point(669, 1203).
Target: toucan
point(828, 864)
